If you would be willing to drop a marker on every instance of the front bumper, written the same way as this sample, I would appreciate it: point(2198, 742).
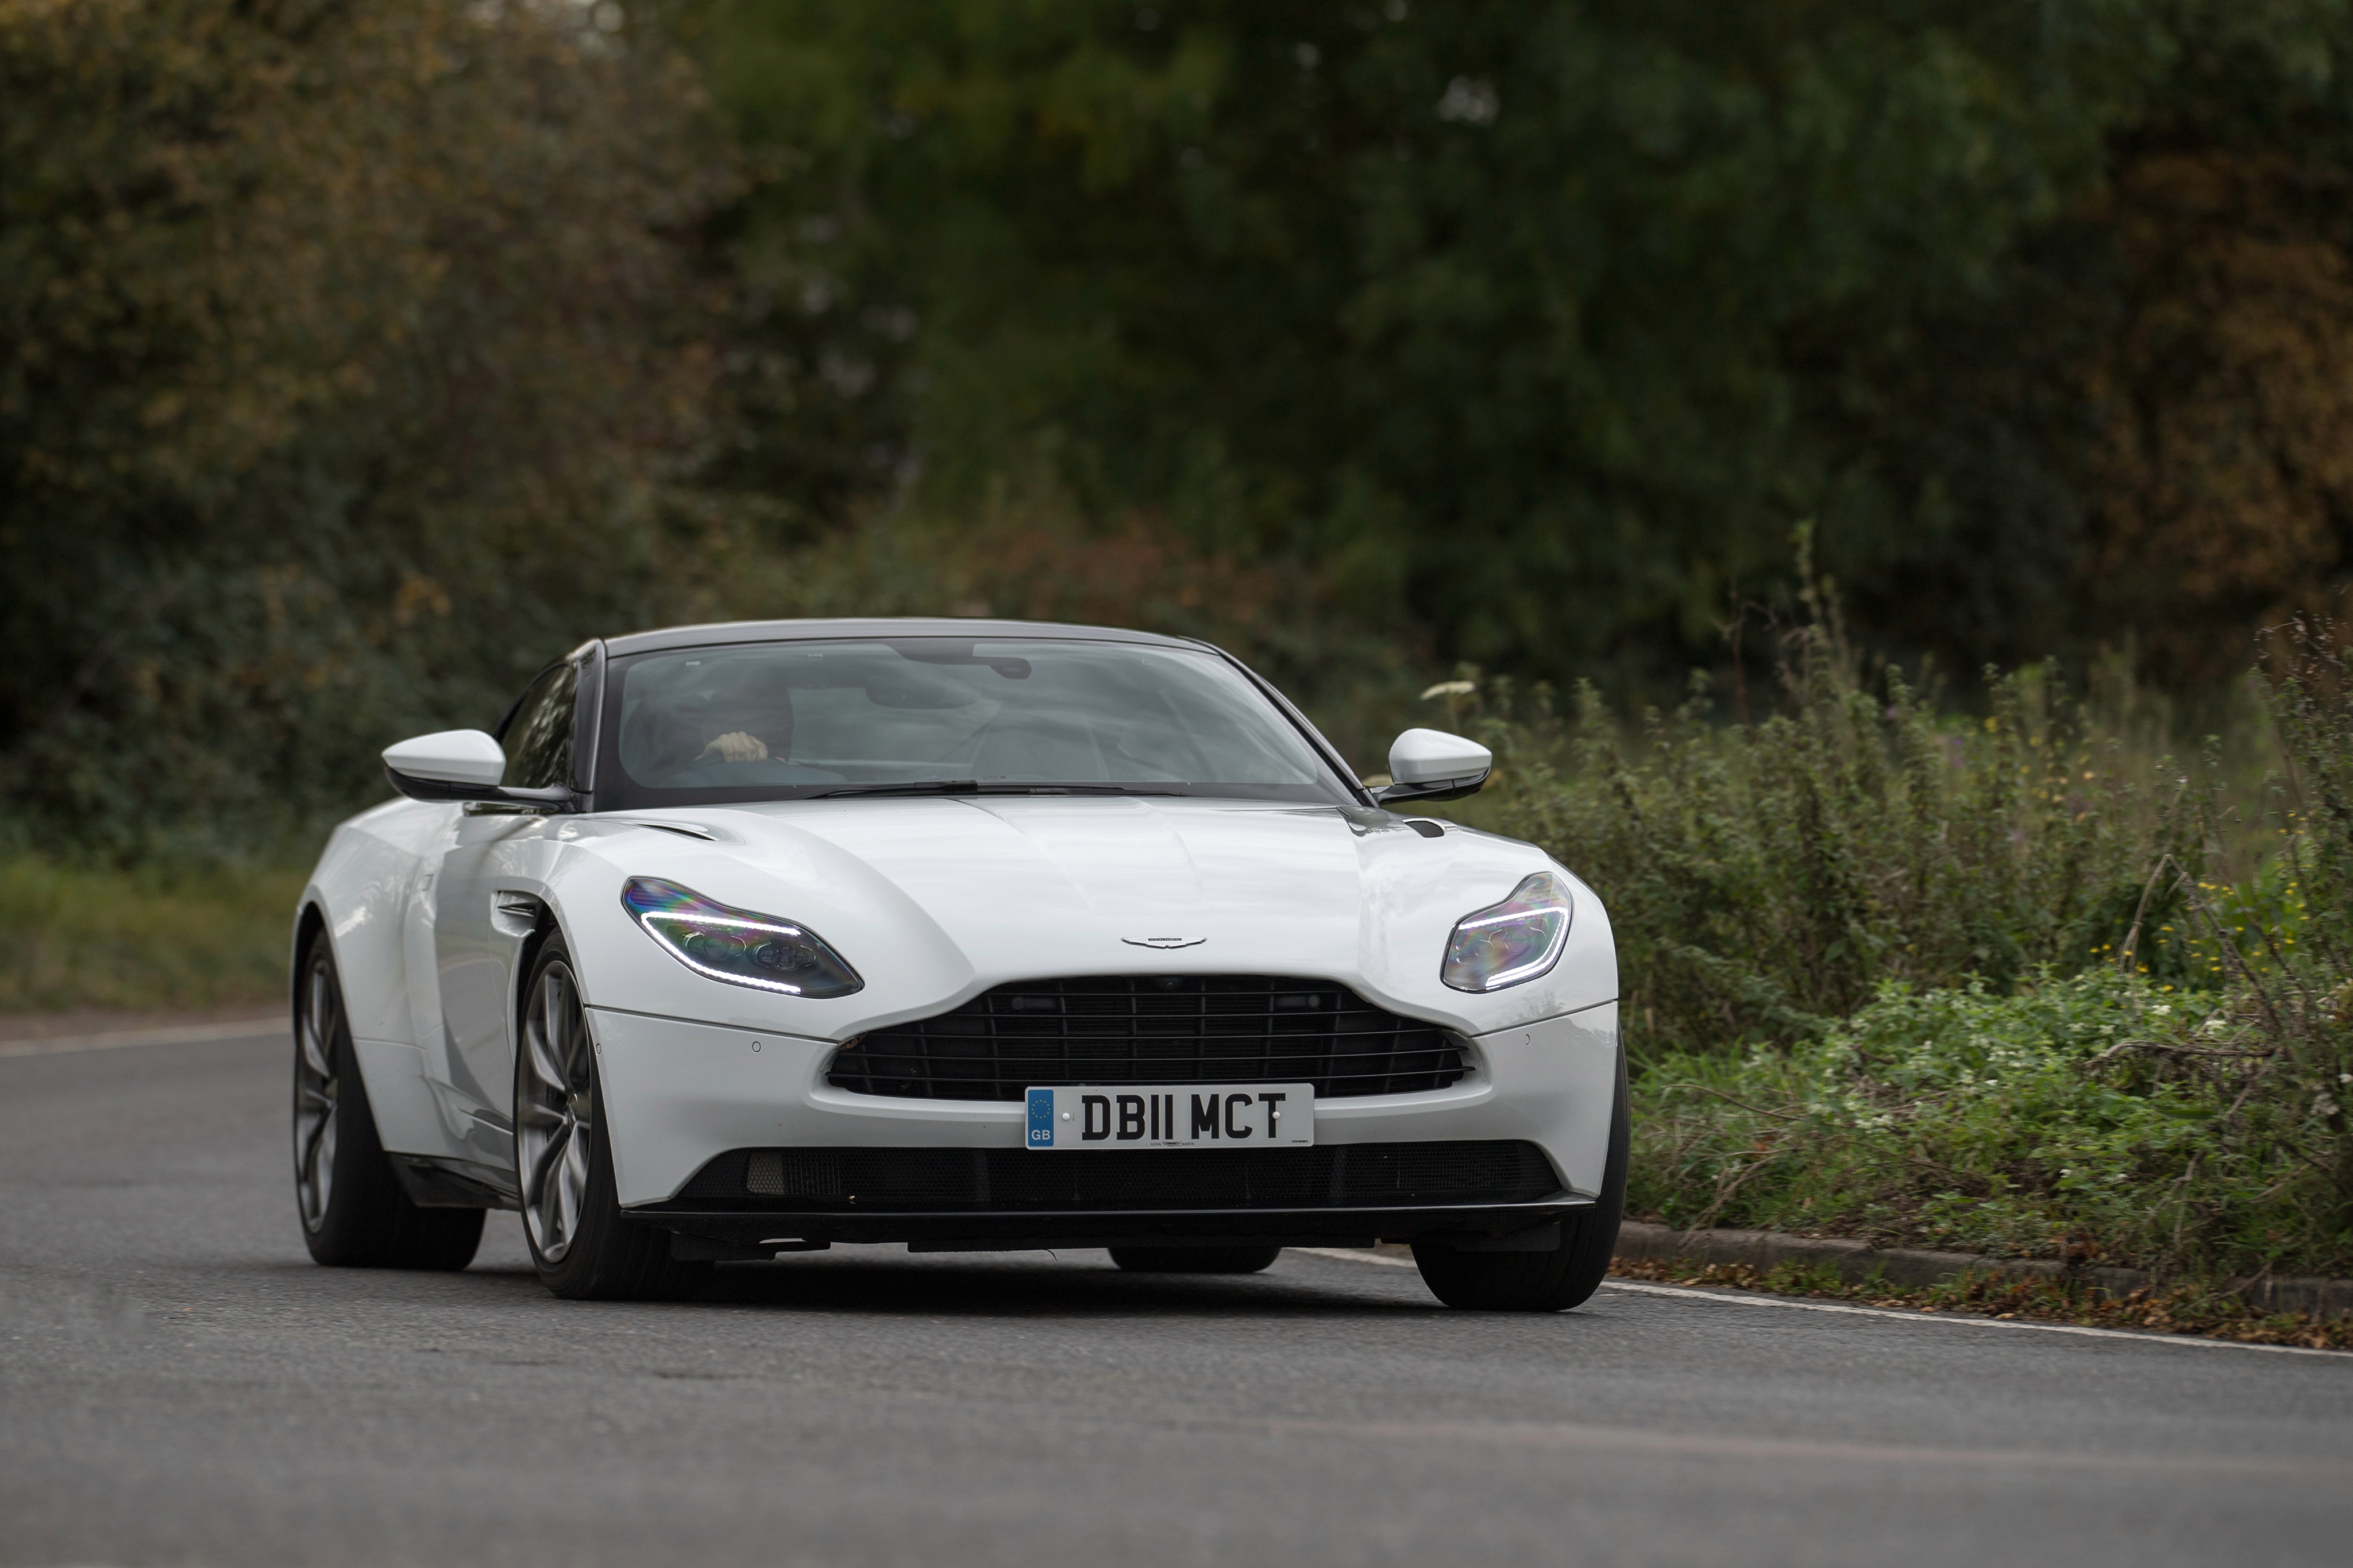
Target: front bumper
point(678, 1094)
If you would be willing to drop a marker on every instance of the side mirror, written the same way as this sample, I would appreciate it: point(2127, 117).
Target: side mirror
point(457, 764)
point(1430, 765)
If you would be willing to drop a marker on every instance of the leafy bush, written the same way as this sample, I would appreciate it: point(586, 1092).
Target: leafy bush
point(2173, 1094)
point(2096, 1116)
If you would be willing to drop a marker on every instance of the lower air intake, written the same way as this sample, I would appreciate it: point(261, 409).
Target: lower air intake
point(1333, 1176)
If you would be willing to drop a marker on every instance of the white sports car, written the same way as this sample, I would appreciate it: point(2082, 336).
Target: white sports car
point(734, 940)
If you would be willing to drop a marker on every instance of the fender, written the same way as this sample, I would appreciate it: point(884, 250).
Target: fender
point(363, 892)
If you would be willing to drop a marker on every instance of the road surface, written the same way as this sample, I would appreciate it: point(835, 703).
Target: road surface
point(180, 1384)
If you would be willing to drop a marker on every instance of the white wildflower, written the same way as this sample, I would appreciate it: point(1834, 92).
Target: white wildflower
point(1469, 101)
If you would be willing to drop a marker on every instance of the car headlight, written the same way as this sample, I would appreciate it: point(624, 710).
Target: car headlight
point(1507, 943)
point(736, 945)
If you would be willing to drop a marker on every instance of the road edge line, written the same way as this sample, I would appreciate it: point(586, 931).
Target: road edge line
point(1739, 1298)
point(188, 1035)
point(2139, 1336)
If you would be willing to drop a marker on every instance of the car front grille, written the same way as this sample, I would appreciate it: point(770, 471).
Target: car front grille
point(1152, 1029)
point(1331, 1175)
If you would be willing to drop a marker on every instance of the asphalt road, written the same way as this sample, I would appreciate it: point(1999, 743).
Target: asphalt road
point(179, 1384)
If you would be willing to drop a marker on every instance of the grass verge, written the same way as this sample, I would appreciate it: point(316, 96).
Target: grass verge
point(75, 936)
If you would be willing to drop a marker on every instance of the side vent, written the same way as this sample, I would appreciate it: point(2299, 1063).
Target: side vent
point(515, 914)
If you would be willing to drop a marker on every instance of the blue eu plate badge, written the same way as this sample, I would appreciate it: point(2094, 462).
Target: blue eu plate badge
point(1041, 1118)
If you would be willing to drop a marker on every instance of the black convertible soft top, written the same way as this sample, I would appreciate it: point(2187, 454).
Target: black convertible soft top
point(875, 626)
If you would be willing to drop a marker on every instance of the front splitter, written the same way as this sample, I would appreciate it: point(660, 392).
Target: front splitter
point(780, 1230)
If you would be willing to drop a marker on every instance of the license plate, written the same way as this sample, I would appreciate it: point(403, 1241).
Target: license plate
point(1196, 1116)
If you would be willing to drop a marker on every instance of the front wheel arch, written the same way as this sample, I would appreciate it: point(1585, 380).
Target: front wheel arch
point(603, 1255)
point(310, 926)
point(353, 1211)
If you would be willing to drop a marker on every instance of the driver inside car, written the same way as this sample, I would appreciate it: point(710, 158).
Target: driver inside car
point(726, 721)
point(736, 746)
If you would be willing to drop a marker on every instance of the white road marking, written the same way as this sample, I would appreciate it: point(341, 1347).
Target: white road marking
point(189, 1035)
point(2138, 1336)
point(1728, 1297)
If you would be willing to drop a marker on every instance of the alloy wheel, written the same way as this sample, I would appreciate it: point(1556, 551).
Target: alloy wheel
point(316, 1091)
point(556, 1113)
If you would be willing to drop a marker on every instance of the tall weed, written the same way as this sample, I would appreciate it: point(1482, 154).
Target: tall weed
point(1992, 983)
point(1764, 878)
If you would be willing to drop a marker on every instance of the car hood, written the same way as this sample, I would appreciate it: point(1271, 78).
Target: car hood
point(940, 899)
point(963, 893)
point(1089, 876)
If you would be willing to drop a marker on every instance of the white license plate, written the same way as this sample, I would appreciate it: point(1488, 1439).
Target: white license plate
point(1196, 1116)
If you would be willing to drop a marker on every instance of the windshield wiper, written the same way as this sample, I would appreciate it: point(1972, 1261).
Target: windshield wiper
point(1073, 789)
point(974, 787)
point(919, 786)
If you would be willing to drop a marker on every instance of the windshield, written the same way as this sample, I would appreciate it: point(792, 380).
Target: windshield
point(946, 715)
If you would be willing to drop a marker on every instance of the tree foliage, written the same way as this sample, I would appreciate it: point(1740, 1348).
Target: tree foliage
point(1540, 324)
point(355, 358)
point(345, 354)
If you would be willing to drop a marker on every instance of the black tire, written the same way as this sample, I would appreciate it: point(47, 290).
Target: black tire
point(1549, 1281)
point(1195, 1259)
point(583, 1247)
point(354, 1213)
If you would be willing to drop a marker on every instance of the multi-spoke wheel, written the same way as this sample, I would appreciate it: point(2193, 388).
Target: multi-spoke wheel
point(571, 1211)
point(556, 1111)
point(316, 1083)
point(353, 1210)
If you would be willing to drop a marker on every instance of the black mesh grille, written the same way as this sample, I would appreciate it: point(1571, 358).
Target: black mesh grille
point(1148, 1029)
point(1337, 1176)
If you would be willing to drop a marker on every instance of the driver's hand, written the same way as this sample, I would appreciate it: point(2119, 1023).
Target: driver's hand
point(737, 746)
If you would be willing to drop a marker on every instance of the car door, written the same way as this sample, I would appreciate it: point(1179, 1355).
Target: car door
point(476, 940)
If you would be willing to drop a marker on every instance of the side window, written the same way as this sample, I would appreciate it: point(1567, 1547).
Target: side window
point(539, 738)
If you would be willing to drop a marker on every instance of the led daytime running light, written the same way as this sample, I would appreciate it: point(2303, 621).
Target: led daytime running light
point(1511, 942)
point(737, 946)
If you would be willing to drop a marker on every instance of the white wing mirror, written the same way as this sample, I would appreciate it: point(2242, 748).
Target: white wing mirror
point(451, 756)
point(1431, 765)
point(461, 764)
